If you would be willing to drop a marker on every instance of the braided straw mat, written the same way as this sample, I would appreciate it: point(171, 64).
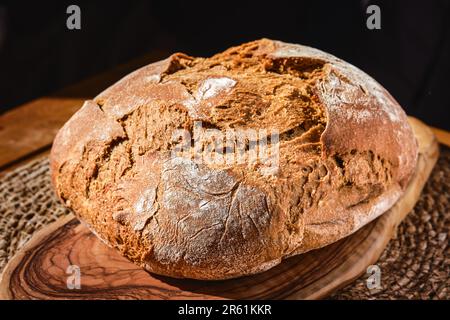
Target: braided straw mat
point(415, 264)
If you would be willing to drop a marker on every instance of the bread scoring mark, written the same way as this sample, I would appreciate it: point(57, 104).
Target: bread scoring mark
point(351, 96)
point(345, 99)
point(357, 76)
point(378, 104)
point(104, 130)
point(390, 109)
point(351, 101)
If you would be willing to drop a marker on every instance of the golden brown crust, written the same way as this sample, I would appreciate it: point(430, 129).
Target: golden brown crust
point(346, 153)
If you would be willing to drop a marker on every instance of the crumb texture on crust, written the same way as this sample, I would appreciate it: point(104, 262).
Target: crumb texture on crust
point(346, 153)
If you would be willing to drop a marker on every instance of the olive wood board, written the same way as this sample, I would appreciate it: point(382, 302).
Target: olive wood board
point(40, 269)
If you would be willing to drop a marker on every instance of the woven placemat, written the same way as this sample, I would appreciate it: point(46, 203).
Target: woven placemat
point(415, 265)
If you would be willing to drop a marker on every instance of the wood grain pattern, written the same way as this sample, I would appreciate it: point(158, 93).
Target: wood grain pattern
point(39, 270)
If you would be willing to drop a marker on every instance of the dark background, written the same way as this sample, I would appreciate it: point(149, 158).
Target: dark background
point(410, 55)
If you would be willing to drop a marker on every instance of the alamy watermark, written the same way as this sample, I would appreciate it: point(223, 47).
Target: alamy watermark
point(74, 277)
point(73, 21)
point(373, 281)
point(252, 147)
point(373, 22)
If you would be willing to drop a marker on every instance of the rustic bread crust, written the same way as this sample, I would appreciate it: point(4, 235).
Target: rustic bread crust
point(346, 154)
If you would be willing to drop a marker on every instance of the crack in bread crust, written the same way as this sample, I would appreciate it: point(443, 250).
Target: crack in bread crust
point(346, 153)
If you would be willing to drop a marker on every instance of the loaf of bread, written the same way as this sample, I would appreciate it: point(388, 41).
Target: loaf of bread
point(214, 168)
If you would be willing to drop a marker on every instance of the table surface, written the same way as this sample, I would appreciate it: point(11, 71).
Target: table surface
point(27, 131)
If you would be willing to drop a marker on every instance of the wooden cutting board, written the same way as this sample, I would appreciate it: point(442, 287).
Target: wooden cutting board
point(40, 269)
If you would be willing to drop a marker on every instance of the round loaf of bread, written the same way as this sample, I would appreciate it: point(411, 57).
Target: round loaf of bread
point(214, 168)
